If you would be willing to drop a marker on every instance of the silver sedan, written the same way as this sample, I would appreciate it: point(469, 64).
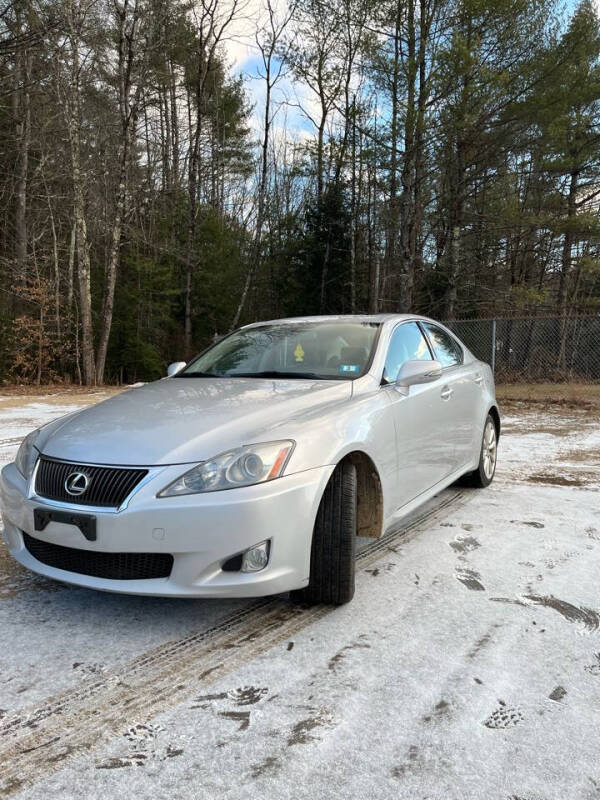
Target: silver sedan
point(252, 469)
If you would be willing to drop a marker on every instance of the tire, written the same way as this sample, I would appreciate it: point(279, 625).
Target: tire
point(334, 543)
point(486, 469)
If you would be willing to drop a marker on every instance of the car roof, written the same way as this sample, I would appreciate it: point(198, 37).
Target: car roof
point(380, 318)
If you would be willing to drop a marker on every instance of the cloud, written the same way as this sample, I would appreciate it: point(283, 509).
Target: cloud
point(289, 96)
point(241, 34)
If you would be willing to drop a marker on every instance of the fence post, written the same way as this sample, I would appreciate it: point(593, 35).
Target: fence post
point(493, 347)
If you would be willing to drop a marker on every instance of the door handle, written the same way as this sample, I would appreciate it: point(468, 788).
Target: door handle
point(446, 393)
point(478, 379)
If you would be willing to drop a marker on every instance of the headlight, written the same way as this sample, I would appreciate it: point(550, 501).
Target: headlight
point(27, 455)
point(253, 463)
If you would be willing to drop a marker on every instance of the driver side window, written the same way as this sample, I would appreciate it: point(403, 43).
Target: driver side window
point(407, 344)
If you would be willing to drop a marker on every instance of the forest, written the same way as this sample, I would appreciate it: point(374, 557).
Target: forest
point(432, 156)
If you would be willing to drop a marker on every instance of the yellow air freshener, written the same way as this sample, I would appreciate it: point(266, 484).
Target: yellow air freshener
point(299, 352)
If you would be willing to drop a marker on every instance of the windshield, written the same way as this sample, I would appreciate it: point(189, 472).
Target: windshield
point(317, 350)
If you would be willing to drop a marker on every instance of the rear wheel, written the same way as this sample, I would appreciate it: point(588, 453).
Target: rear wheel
point(334, 542)
point(484, 474)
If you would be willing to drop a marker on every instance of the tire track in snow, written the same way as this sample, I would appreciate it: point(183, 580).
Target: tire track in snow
point(38, 741)
point(586, 618)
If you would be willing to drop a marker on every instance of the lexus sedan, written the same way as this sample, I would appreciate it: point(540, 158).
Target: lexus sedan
point(252, 469)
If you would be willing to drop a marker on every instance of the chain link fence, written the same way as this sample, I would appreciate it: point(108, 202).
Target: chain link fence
point(534, 349)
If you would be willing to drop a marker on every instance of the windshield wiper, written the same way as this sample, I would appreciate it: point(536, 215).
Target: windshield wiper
point(275, 374)
point(199, 375)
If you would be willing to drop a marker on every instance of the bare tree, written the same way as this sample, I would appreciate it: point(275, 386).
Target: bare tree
point(79, 55)
point(22, 116)
point(133, 54)
point(211, 22)
point(314, 54)
point(274, 60)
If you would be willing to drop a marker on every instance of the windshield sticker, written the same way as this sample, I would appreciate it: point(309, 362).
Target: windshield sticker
point(349, 368)
point(299, 352)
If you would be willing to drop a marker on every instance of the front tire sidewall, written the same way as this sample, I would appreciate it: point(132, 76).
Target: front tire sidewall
point(333, 549)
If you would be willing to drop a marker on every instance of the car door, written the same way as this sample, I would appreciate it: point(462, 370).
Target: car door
point(458, 392)
point(423, 451)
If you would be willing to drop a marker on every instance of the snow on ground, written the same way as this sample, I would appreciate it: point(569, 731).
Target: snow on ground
point(560, 447)
point(467, 666)
point(20, 415)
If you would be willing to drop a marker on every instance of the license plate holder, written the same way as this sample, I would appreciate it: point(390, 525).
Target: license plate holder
point(85, 522)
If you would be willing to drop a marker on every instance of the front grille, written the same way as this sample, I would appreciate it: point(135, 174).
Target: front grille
point(114, 566)
point(107, 486)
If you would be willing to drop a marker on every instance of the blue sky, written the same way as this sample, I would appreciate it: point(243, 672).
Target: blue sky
point(289, 95)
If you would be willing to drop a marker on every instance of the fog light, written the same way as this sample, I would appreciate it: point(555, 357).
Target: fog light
point(256, 558)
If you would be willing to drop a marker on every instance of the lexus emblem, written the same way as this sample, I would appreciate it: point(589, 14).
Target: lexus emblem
point(76, 483)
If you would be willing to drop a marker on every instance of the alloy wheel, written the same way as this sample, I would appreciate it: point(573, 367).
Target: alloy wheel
point(489, 449)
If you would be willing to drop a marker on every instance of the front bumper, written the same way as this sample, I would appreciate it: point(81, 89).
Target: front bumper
point(200, 531)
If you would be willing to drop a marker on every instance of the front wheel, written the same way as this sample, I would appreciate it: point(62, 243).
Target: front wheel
point(334, 542)
point(484, 474)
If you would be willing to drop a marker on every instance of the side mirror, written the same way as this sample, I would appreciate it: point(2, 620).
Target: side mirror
point(174, 368)
point(413, 373)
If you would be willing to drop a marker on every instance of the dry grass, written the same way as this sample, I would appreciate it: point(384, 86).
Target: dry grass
point(18, 397)
point(65, 389)
point(573, 395)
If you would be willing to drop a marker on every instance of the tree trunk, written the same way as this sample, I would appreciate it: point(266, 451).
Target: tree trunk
point(457, 170)
point(174, 126)
point(420, 172)
point(22, 111)
point(561, 302)
point(56, 264)
point(407, 211)
point(390, 260)
point(111, 269)
point(193, 185)
point(262, 192)
point(71, 266)
point(567, 257)
point(83, 255)
point(353, 214)
point(129, 101)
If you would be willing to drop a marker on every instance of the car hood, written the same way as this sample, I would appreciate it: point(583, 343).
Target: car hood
point(184, 420)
